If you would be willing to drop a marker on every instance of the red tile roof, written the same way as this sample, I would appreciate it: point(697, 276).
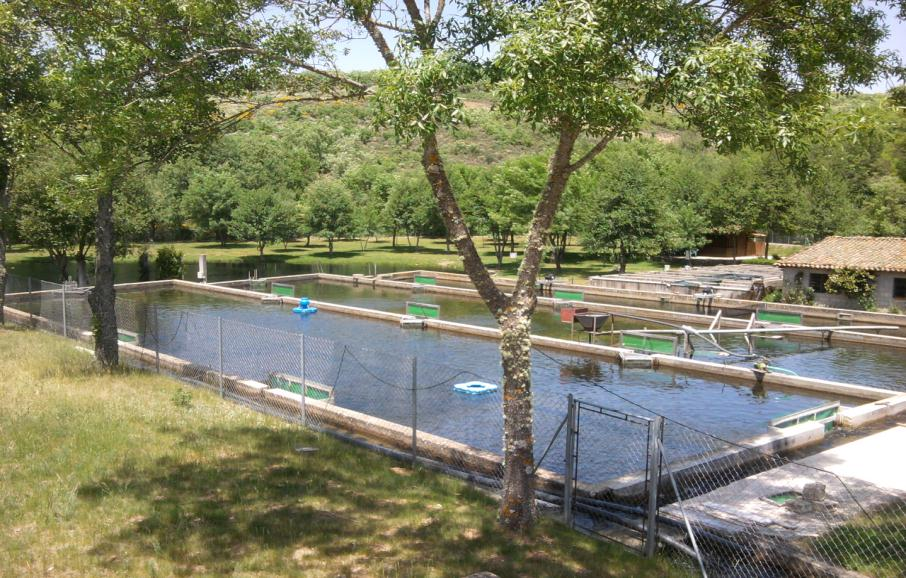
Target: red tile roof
point(870, 253)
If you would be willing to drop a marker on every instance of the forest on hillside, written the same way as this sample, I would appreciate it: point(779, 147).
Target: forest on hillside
point(294, 170)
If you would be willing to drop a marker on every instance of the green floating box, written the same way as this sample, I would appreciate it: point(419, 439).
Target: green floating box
point(779, 317)
point(293, 384)
point(649, 343)
point(569, 295)
point(283, 290)
point(127, 336)
point(423, 280)
point(825, 413)
point(423, 310)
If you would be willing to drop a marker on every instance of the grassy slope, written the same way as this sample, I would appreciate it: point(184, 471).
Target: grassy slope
point(106, 474)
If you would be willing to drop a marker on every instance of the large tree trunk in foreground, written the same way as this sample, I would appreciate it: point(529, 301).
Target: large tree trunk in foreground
point(517, 508)
point(103, 297)
point(514, 315)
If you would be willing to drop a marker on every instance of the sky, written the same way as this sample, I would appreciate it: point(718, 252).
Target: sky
point(362, 55)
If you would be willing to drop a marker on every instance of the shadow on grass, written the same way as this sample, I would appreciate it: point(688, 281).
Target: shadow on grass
point(263, 500)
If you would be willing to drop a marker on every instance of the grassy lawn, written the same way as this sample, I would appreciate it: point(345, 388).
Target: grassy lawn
point(135, 474)
point(875, 543)
point(430, 254)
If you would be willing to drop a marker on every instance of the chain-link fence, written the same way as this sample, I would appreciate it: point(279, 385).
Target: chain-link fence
point(726, 509)
point(643, 480)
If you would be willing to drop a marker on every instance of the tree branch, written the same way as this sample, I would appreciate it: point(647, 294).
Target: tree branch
point(557, 175)
point(453, 218)
point(591, 153)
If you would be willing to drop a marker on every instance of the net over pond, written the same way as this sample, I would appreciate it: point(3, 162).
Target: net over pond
point(368, 365)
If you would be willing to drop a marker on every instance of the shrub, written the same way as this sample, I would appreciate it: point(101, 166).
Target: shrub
point(169, 263)
point(855, 283)
point(797, 294)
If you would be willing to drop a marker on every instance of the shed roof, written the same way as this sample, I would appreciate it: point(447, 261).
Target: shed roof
point(870, 253)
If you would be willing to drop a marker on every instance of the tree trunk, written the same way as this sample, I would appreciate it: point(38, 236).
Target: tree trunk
point(5, 177)
point(62, 261)
point(81, 270)
point(517, 509)
point(393, 244)
point(622, 258)
point(512, 242)
point(767, 244)
point(330, 245)
point(308, 240)
point(103, 296)
point(514, 314)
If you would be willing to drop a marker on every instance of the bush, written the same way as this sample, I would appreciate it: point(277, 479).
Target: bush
point(169, 263)
point(855, 283)
point(795, 295)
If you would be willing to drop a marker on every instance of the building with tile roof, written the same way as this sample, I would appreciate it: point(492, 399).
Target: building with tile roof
point(883, 256)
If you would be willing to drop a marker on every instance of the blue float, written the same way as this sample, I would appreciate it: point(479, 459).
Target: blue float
point(304, 307)
point(475, 387)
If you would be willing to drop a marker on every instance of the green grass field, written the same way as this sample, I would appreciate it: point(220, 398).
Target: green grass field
point(430, 254)
point(134, 474)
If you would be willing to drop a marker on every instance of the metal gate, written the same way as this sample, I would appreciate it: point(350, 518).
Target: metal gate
point(611, 459)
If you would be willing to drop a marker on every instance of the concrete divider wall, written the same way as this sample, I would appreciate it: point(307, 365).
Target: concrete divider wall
point(842, 337)
point(811, 311)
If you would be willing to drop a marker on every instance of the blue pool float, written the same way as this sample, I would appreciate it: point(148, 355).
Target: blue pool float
point(304, 307)
point(475, 387)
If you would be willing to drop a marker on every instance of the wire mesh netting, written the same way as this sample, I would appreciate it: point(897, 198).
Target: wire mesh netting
point(755, 513)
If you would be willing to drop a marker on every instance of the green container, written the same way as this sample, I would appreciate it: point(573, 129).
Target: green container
point(422, 280)
point(283, 290)
point(569, 295)
point(779, 317)
point(293, 386)
point(649, 343)
point(127, 336)
point(423, 310)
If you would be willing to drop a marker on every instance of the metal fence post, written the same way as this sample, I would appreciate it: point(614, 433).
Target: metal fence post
point(655, 431)
point(414, 409)
point(156, 338)
point(65, 334)
point(302, 375)
point(569, 475)
point(220, 349)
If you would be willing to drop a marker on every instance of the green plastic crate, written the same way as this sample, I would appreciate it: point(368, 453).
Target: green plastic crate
point(283, 290)
point(423, 280)
point(649, 343)
point(423, 310)
point(779, 317)
point(569, 295)
point(294, 385)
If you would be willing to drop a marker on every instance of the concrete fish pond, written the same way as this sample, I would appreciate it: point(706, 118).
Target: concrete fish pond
point(365, 361)
point(847, 362)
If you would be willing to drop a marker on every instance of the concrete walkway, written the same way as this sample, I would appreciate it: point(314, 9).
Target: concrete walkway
point(872, 471)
